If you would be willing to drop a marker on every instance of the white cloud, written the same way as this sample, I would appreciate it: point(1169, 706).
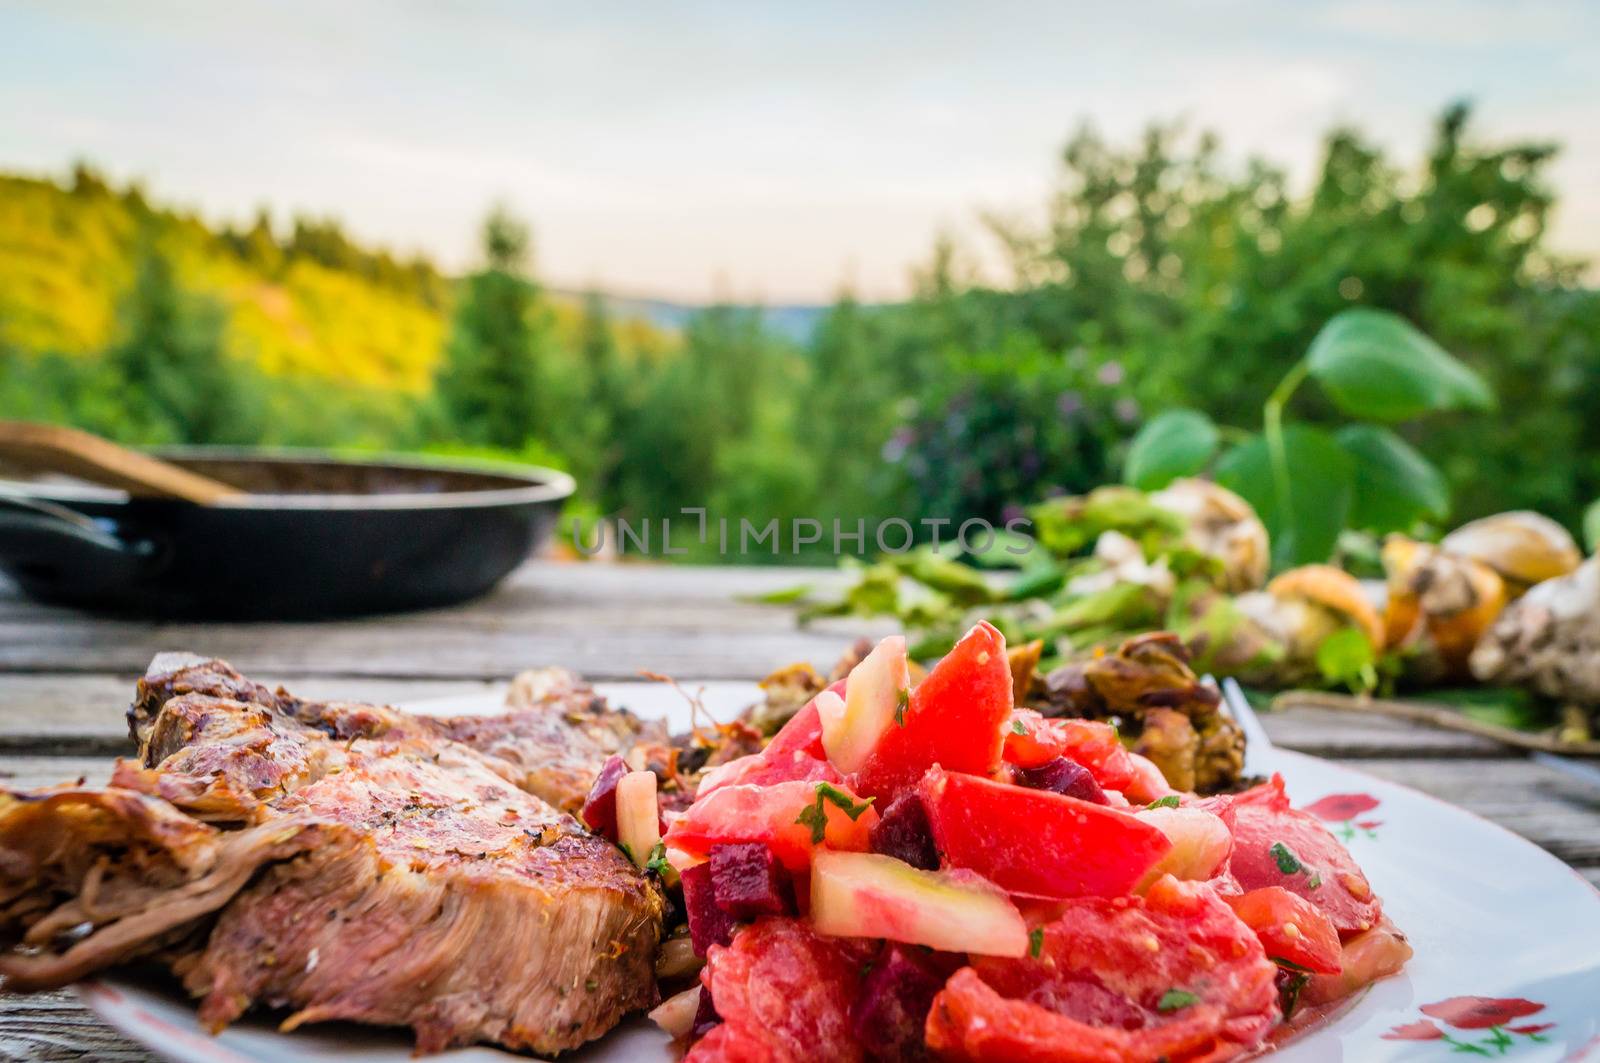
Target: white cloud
point(658, 147)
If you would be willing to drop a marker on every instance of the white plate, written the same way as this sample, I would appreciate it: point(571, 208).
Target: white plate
point(1497, 923)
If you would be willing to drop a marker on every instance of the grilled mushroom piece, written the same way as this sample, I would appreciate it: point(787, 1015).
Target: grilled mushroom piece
point(1523, 547)
point(1549, 639)
point(1220, 524)
point(1158, 703)
point(1439, 605)
point(1305, 605)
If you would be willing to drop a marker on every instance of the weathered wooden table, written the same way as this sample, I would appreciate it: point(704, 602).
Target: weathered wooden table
point(65, 679)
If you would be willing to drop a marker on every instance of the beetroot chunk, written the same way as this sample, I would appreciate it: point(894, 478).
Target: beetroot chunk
point(600, 807)
point(902, 832)
point(889, 1014)
point(708, 924)
point(705, 1016)
point(1063, 776)
point(747, 881)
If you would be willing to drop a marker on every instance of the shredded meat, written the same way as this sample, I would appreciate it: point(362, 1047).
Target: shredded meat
point(342, 861)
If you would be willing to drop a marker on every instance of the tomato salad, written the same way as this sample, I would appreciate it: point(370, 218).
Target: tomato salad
point(913, 872)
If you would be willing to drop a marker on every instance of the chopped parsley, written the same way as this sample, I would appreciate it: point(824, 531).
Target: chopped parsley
point(1017, 728)
point(1036, 941)
point(815, 816)
point(1175, 999)
point(1169, 801)
point(901, 700)
point(1315, 881)
point(658, 861)
point(1288, 964)
point(1288, 862)
point(1290, 982)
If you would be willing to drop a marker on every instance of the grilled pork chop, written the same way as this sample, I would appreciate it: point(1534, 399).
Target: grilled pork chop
point(343, 861)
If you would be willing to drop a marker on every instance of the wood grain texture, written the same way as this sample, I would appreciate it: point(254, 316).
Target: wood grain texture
point(57, 1026)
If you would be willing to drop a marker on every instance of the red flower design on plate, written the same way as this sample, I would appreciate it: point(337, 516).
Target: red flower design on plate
point(1421, 1030)
point(1487, 1014)
point(1337, 808)
point(1480, 1013)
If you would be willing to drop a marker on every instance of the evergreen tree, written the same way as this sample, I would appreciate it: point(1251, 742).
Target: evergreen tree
point(605, 400)
point(176, 377)
point(489, 383)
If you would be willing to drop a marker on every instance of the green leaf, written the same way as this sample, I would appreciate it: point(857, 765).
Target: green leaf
point(1176, 999)
point(815, 816)
point(782, 596)
point(1037, 581)
point(1376, 366)
point(1321, 487)
point(1345, 659)
point(1008, 550)
point(963, 583)
point(1287, 860)
point(1174, 444)
point(1591, 526)
point(1394, 486)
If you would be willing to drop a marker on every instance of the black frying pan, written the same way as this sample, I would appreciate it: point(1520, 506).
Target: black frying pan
point(314, 537)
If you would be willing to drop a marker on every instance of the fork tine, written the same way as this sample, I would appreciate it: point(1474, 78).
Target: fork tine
point(1256, 743)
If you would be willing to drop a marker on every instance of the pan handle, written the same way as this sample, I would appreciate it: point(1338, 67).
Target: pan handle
point(34, 532)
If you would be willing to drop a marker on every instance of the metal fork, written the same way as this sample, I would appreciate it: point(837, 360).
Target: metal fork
point(1256, 743)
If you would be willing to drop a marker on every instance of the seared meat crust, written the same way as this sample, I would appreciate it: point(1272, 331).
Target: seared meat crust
point(344, 861)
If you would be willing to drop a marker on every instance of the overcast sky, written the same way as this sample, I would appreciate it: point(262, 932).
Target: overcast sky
point(752, 151)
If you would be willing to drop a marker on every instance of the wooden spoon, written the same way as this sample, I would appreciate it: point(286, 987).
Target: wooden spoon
point(52, 448)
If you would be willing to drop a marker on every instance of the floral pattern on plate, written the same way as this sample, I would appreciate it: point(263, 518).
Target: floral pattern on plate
point(1469, 1015)
point(1342, 810)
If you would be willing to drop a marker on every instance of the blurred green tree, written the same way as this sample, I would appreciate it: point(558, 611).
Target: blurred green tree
point(489, 381)
point(177, 382)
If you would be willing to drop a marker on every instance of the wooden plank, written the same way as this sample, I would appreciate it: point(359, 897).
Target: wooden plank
point(82, 714)
point(607, 621)
point(602, 651)
point(26, 773)
point(1548, 808)
point(542, 586)
point(1325, 733)
point(57, 1026)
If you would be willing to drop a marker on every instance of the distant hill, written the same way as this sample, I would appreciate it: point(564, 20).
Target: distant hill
point(796, 322)
point(309, 302)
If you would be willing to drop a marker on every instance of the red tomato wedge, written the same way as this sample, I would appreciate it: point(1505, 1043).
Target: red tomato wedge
point(784, 993)
point(1035, 843)
point(1171, 975)
point(1274, 845)
point(795, 753)
point(772, 815)
point(954, 718)
point(1367, 957)
point(1289, 927)
point(1031, 740)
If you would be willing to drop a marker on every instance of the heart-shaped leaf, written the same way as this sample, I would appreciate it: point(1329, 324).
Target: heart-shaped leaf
point(1394, 486)
point(1305, 526)
point(1376, 366)
point(1171, 445)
